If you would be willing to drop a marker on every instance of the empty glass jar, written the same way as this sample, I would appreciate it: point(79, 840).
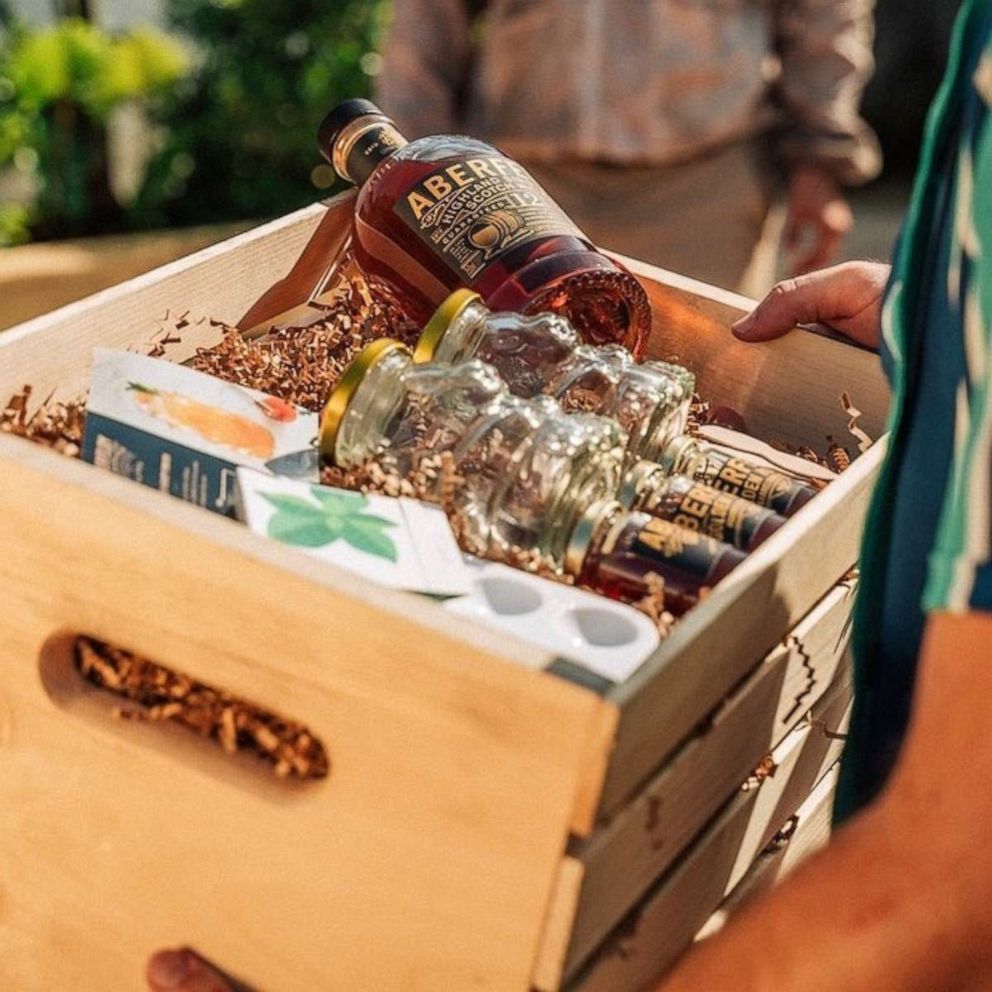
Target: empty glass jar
point(524, 471)
point(543, 355)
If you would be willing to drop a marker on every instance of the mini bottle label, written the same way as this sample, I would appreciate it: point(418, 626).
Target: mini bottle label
point(677, 547)
point(755, 483)
point(471, 213)
point(715, 513)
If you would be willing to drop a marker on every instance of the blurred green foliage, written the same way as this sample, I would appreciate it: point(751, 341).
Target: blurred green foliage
point(233, 94)
point(58, 86)
point(240, 132)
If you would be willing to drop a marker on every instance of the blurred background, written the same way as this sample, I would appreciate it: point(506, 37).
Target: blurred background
point(135, 131)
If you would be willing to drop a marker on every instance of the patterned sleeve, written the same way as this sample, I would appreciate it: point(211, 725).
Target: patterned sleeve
point(825, 49)
point(426, 57)
point(960, 575)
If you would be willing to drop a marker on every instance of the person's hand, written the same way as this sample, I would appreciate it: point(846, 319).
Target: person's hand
point(183, 970)
point(817, 221)
point(847, 298)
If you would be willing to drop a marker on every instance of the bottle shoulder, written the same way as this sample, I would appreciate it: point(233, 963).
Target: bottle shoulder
point(438, 147)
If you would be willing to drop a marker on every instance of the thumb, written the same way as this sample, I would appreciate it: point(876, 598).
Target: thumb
point(182, 970)
point(795, 301)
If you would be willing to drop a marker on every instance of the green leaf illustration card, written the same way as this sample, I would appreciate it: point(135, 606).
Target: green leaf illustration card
point(402, 543)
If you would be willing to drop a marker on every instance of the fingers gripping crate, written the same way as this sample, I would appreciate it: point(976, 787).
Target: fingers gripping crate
point(473, 784)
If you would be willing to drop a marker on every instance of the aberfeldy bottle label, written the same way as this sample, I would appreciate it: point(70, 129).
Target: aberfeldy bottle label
point(471, 213)
point(677, 547)
point(755, 483)
point(714, 512)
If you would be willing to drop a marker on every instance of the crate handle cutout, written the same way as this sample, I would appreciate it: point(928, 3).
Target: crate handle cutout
point(220, 733)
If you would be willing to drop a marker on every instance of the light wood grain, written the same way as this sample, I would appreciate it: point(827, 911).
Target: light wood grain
point(720, 641)
point(810, 834)
point(558, 930)
point(627, 855)
point(788, 390)
point(37, 278)
point(426, 860)
point(456, 774)
point(663, 925)
point(53, 352)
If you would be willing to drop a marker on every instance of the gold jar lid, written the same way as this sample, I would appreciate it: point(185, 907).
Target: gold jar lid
point(585, 531)
point(446, 314)
point(339, 400)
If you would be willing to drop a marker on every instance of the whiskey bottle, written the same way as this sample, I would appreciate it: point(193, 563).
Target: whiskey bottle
point(722, 470)
point(697, 506)
point(543, 354)
point(445, 211)
point(526, 470)
point(615, 551)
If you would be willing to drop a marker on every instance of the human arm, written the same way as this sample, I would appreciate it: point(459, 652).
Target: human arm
point(901, 900)
point(427, 55)
point(825, 53)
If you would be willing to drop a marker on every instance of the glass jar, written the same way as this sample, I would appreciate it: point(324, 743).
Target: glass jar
point(525, 471)
point(615, 552)
point(543, 354)
point(727, 472)
point(697, 506)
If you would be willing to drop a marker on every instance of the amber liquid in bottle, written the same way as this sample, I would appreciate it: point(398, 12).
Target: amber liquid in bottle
point(633, 546)
point(712, 512)
point(442, 212)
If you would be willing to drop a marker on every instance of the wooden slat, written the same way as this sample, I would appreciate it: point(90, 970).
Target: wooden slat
point(37, 278)
point(625, 857)
point(663, 925)
point(426, 860)
point(801, 374)
point(787, 390)
point(53, 352)
point(810, 833)
point(558, 929)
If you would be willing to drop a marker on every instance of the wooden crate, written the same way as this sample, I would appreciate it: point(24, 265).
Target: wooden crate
point(474, 780)
point(731, 860)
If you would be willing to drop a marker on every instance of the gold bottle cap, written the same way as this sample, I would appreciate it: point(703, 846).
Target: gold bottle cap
point(445, 315)
point(339, 401)
point(585, 531)
point(634, 480)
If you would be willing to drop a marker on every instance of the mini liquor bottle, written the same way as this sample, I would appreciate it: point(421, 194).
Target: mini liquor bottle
point(697, 506)
point(615, 552)
point(444, 211)
point(525, 469)
point(730, 474)
point(542, 354)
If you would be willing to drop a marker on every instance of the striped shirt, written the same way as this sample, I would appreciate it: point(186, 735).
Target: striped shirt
point(928, 543)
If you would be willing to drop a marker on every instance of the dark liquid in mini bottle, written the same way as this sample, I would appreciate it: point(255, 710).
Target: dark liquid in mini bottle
point(638, 545)
point(717, 514)
point(754, 483)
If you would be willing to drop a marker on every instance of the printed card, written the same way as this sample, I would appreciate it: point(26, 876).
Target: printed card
point(185, 432)
point(401, 543)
